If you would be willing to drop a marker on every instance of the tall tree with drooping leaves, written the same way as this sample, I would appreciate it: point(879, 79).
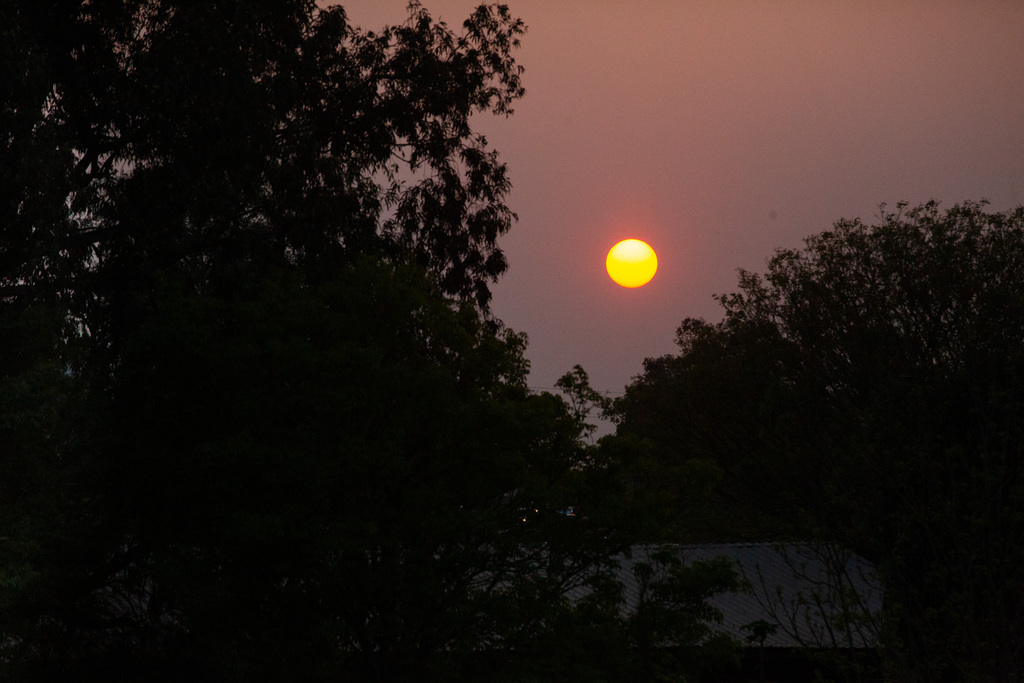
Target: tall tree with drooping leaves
point(210, 138)
point(868, 388)
point(258, 420)
point(162, 152)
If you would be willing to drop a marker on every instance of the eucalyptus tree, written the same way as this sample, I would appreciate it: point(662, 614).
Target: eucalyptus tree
point(204, 139)
point(166, 166)
point(258, 421)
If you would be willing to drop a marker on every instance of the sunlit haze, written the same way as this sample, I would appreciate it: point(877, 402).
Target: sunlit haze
point(720, 132)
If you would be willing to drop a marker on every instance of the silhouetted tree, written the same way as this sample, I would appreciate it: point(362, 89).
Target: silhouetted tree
point(868, 388)
point(258, 422)
point(211, 138)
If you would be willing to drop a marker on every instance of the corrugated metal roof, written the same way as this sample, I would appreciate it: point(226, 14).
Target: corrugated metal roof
point(812, 595)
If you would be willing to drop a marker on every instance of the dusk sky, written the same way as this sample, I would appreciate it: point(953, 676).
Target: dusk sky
point(719, 132)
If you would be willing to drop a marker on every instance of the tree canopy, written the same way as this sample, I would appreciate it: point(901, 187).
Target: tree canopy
point(204, 138)
point(258, 422)
point(868, 388)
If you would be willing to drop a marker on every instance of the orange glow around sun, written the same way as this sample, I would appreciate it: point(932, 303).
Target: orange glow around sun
point(631, 263)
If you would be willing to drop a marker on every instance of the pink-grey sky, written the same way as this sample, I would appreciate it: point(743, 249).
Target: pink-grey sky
point(719, 132)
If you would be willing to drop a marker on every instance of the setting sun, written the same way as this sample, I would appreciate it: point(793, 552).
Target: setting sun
point(631, 263)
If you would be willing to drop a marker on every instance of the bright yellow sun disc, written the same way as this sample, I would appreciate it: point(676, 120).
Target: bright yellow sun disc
point(631, 263)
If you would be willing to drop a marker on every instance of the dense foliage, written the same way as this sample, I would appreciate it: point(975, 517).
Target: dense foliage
point(256, 420)
point(869, 389)
point(202, 138)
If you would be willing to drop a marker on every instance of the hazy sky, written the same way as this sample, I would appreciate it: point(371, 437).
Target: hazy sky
point(719, 132)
